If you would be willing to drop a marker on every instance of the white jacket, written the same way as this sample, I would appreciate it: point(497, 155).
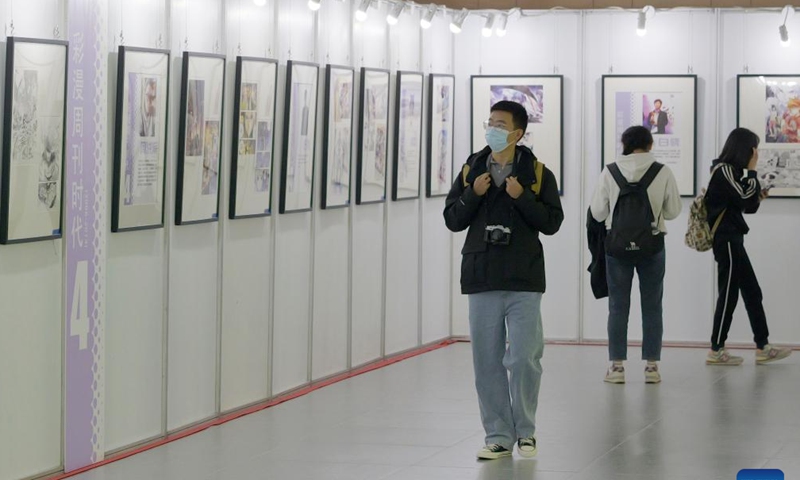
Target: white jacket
point(665, 199)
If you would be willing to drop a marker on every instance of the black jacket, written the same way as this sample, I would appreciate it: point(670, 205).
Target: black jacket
point(518, 266)
point(736, 191)
point(596, 237)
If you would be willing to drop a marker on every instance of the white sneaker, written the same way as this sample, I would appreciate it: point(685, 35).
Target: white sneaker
point(771, 354)
point(651, 374)
point(615, 374)
point(722, 357)
point(493, 452)
point(527, 447)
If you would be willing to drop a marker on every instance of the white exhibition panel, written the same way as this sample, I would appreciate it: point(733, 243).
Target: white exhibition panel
point(402, 277)
point(134, 336)
point(436, 239)
point(367, 314)
point(192, 348)
point(31, 355)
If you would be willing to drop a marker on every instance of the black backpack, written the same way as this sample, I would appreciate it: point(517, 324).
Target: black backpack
point(631, 235)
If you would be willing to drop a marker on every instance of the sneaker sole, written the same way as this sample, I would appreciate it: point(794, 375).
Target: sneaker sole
point(724, 364)
point(652, 380)
point(493, 456)
point(770, 360)
point(617, 381)
point(527, 454)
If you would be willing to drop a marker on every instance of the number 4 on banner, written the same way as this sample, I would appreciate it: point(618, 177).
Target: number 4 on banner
point(79, 315)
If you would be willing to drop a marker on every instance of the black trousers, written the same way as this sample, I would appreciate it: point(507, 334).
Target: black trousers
point(736, 275)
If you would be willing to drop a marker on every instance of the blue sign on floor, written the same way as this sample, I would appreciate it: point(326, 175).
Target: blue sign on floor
point(760, 475)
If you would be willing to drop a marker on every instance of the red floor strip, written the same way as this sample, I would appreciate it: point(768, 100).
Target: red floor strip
point(256, 408)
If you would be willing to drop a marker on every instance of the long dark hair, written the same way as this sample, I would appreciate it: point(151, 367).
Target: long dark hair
point(636, 138)
point(738, 149)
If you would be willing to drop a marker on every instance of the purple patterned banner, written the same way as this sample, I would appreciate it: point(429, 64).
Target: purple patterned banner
point(85, 234)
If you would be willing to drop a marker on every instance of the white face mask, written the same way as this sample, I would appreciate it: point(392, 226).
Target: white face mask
point(497, 138)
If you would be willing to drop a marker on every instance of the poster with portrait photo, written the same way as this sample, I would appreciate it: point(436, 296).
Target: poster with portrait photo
point(440, 135)
point(202, 87)
point(297, 172)
point(769, 105)
point(140, 139)
point(33, 150)
point(408, 136)
point(542, 97)
point(373, 136)
point(665, 105)
point(337, 145)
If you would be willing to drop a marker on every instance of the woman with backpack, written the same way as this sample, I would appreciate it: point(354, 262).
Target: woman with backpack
point(733, 190)
point(634, 196)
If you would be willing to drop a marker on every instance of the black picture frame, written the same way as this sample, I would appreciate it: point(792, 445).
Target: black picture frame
point(361, 142)
point(537, 150)
point(179, 190)
point(692, 191)
point(232, 208)
point(119, 125)
point(431, 134)
point(6, 170)
point(325, 203)
point(770, 151)
point(287, 133)
point(398, 126)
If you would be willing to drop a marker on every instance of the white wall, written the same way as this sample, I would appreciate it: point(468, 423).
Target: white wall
point(31, 314)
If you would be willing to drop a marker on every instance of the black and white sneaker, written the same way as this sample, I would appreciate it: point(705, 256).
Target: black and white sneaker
point(493, 452)
point(527, 447)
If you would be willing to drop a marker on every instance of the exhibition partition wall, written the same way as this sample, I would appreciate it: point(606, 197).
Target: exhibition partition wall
point(157, 321)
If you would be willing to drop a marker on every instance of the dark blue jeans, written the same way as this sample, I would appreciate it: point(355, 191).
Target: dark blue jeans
point(619, 274)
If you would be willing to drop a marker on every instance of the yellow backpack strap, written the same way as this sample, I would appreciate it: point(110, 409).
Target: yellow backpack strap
point(464, 173)
point(537, 185)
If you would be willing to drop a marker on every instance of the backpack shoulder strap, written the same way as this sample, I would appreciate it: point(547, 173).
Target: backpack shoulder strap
point(650, 175)
point(536, 186)
point(613, 169)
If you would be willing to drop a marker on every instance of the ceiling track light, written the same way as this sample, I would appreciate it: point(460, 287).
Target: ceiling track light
point(487, 27)
point(394, 13)
point(641, 24)
point(314, 5)
point(361, 13)
point(458, 20)
point(501, 19)
point(427, 17)
point(782, 30)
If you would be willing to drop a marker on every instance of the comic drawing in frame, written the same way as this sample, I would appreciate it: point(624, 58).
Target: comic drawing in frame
point(439, 168)
point(337, 150)
point(299, 139)
point(407, 136)
point(769, 105)
point(33, 133)
point(664, 104)
point(373, 136)
point(542, 97)
point(140, 139)
point(199, 152)
point(253, 138)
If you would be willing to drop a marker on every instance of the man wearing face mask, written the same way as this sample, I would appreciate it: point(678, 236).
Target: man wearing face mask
point(504, 197)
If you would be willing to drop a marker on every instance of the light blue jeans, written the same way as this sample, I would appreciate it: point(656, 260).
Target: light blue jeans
point(507, 402)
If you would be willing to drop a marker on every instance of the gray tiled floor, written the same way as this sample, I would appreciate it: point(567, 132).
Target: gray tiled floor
point(418, 420)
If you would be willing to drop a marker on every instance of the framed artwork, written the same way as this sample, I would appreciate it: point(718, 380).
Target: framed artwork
point(769, 105)
point(299, 140)
point(373, 138)
point(665, 104)
point(542, 97)
point(140, 139)
point(33, 147)
point(407, 136)
point(337, 150)
point(253, 137)
point(199, 152)
point(441, 92)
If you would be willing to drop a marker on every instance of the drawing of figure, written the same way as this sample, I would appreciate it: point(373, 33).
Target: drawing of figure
point(148, 108)
point(194, 117)
point(304, 118)
point(791, 121)
point(444, 148)
point(25, 116)
point(211, 159)
point(49, 173)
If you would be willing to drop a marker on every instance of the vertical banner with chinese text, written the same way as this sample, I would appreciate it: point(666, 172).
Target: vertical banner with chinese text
point(85, 232)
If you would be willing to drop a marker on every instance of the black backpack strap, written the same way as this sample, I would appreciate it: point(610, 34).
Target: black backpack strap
point(650, 175)
point(613, 169)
